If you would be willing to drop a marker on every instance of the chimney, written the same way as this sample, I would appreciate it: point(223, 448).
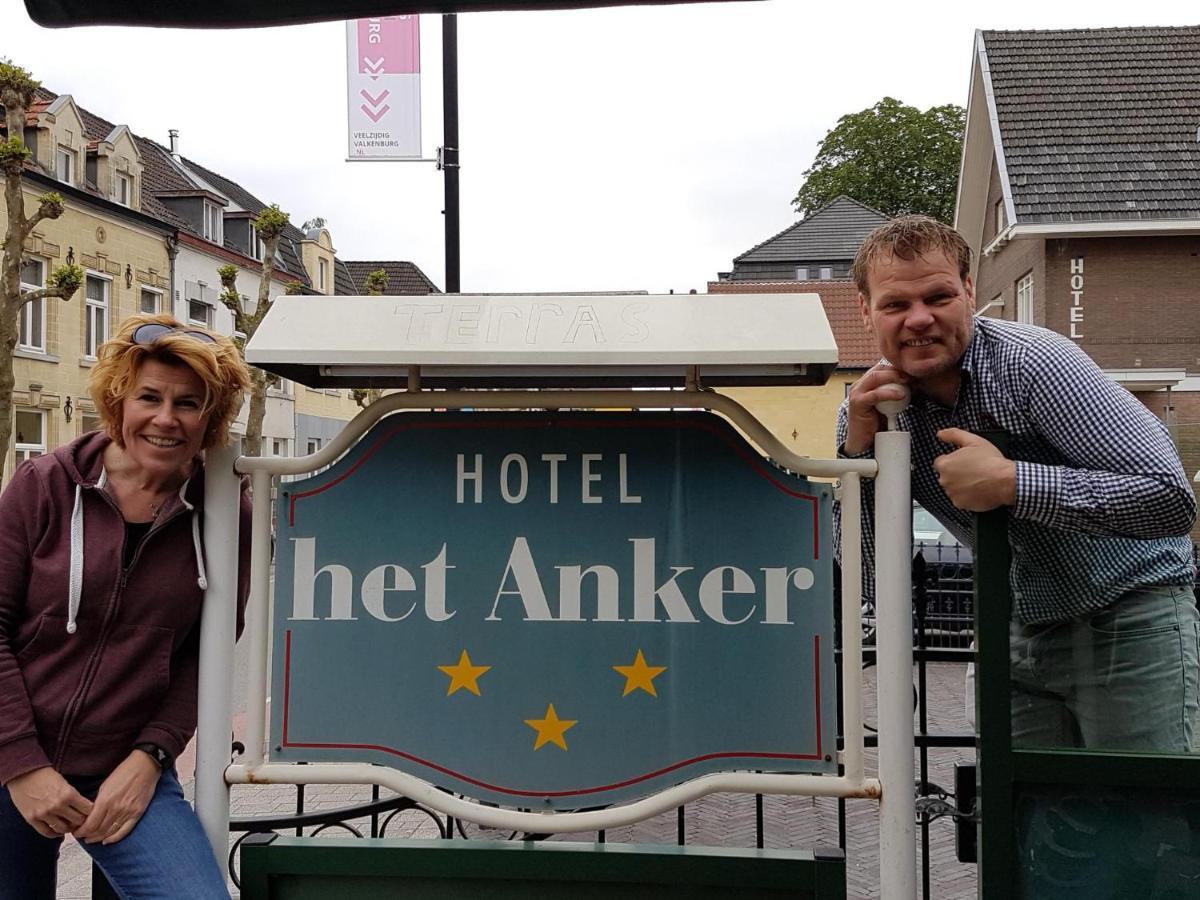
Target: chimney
point(174, 138)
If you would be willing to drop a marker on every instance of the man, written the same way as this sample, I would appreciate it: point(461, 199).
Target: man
point(1104, 630)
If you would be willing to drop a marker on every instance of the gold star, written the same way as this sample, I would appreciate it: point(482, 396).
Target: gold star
point(550, 729)
point(464, 675)
point(640, 675)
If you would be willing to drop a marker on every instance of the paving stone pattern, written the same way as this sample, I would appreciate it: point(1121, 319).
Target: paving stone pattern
point(718, 820)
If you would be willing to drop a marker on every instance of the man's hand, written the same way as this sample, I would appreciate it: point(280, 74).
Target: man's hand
point(863, 420)
point(976, 476)
point(122, 799)
point(48, 803)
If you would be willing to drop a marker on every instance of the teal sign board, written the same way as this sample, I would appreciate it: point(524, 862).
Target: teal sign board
point(555, 611)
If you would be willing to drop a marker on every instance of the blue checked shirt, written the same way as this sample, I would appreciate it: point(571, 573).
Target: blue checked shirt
point(1102, 504)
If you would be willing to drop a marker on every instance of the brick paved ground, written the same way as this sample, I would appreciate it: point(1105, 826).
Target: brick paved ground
point(717, 820)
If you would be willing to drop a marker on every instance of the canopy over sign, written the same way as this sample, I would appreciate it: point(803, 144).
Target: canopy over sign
point(251, 13)
point(554, 611)
point(465, 340)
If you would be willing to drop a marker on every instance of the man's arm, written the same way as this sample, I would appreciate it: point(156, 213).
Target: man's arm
point(1123, 475)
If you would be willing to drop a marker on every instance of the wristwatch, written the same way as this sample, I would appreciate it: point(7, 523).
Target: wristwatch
point(156, 753)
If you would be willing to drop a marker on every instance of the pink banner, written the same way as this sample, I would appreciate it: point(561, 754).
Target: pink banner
point(390, 45)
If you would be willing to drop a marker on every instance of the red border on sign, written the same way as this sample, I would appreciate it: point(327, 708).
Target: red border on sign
point(754, 462)
point(285, 741)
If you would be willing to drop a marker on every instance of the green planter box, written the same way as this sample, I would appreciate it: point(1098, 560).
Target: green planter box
point(290, 868)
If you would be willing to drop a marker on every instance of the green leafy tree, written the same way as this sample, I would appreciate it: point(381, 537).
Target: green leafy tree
point(270, 224)
point(17, 87)
point(376, 283)
point(891, 157)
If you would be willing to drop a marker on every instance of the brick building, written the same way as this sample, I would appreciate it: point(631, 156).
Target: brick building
point(1080, 195)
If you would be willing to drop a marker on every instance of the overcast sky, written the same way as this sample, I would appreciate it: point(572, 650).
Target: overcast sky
point(610, 149)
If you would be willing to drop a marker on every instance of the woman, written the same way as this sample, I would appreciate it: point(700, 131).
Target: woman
point(101, 583)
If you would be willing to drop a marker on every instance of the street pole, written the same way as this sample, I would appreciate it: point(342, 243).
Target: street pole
point(218, 622)
point(450, 147)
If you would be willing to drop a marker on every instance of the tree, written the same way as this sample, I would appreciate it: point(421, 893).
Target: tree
point(17, 88)
point(270, 224)
point(892, 157)
point(376, 283)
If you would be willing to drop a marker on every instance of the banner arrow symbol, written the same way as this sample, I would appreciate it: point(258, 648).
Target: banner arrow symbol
point(375, 116)
point(374, 101)
point(374, 65)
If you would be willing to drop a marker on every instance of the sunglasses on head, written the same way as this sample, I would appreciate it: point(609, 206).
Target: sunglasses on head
point(152, 331)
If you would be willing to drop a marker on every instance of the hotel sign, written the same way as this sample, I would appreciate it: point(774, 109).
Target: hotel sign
point(554, 611)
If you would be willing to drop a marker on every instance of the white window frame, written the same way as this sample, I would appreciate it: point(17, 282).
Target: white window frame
point(1025, 298)
point(1001, 216)
point(209, 314)
point(323, 274)
point(64, 155)
point(826, 273)
point(314, 445)
point(144, 289)
point(28, 449)
point(214, 223)
point(802, 273)
point(100, 309)
point(28, 311)
point(257, 248)
point(123, 184)
point(279, 447)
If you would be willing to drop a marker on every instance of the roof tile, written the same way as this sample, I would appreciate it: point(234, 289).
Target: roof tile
point(1099, 124)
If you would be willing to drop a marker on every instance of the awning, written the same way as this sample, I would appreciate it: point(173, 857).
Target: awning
point(546, 340)
point(252, 13)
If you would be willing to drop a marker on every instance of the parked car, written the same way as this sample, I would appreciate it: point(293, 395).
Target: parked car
point(943, 586)
point(943, 582)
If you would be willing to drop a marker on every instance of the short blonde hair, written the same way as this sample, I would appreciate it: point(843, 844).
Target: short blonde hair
point(908, 237)
point(218, 365)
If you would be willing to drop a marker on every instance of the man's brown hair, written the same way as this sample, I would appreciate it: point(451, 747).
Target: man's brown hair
point(908, 237)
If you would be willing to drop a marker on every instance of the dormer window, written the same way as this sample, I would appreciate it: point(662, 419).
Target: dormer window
point(256, 245)
point(65, 165)
point(123, 189)
point(213, 221)
point(323, 276)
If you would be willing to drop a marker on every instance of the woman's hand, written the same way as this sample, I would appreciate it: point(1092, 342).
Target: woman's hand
point(48, 802)
point(122, 799)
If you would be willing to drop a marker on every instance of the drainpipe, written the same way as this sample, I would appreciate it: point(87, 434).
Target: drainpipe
point(172, 251)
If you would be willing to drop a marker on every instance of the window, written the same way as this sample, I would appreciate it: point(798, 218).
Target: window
point(314, 445)
point(213, 221)
point(89, 422)
point(1025, 298)
point(826, 273)
point(802, 273)
point(123, 189)
point(1001, 216)
point(31, 327)
point(279, 447)
point(200, 313)
point(256, 244)
point(149, 301)
point(65, 165)
point(95, 314)
point(31, 434)
point(323, 276)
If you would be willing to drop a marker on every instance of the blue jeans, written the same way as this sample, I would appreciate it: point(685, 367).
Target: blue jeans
point(1123, 678)
point(167, 855)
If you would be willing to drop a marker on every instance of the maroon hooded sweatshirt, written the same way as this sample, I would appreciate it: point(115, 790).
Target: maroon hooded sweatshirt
point(79, 688)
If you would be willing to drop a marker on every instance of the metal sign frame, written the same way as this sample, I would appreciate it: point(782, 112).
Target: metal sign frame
point(893, 787)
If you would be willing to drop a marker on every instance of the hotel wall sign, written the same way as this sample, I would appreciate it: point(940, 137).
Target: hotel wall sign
point(555, 611)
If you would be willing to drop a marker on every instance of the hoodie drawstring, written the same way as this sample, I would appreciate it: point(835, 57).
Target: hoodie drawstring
point(75, 583)
point(197, 547)
point(76, 573)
